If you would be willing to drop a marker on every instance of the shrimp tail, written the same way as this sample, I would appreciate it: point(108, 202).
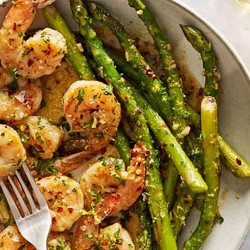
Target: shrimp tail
point(129, 193)
point(103, 209)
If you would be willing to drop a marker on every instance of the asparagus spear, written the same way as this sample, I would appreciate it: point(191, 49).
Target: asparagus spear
point(209, 59)
point(211, 172)
point(230, 158)
point(145, 240)
point(186, 197)
point(157, 204)
point(149, 80)
point(73, 56)
point(122, 144)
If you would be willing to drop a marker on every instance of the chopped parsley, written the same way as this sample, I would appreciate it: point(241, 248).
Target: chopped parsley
point(80, 96)
point(39, 138)
point(95, 195)
point(14, 85)
point(108, 90)
point(45, 166)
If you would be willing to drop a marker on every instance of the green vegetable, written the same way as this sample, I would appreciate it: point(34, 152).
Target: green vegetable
point(211, 173)
point(122, 144)
point(228, 156)
point(209, 59)
point(146, 235)
point(186, 197)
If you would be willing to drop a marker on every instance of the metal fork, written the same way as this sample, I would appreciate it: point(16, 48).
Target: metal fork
point(34, 226)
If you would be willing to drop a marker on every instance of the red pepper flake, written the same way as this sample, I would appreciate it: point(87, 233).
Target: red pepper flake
point(50, 192)
point(225, 158)
point(58, 81)
point(151, 74)
point(102, 102)
point(186, 196)
point(30, 62)
point(103, 151)
point(14, 27)
point(165, 144)
point(164, 126)
point(59, 209)
point(238, 161)
point(70, 210)
point(138, 111)
point(164, 176)
point(54, 220)
point(50, 200)
point(147, 153)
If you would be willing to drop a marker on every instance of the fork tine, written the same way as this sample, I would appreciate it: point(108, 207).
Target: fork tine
point(40, 198)
point(11, 202)
point(27, 192)
point(19, 197)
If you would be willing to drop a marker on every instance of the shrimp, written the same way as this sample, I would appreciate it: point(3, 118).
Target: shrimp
point(65, 200)
point(12, 152)
point(108, 176)
point(37, 56)
point(89, 236)
point(90, 106)
point(43, 136)
point(59, 241)
point(19, 98)
point(10, 238)
point(92, 109)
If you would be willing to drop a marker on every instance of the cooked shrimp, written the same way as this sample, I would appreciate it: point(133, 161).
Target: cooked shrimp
point(59, 241)
point(19, 98)
point(90, 106)
point(88, 236)
point(43, 136)
point(11, 239)
point(37, 56)
point(12, 152)
point(108, 176)
point(65, 200)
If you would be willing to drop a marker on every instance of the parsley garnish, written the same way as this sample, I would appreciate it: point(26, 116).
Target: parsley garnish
point(80, 96)
point(108, 90)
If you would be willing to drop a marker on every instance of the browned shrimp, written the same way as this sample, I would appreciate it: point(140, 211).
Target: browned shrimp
point(89, 236)
point(37, 56)
point(19, 98)
point(108, 176)
point(12, 152)
point(65, 200)
point(92, 109)
point(38, 132)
